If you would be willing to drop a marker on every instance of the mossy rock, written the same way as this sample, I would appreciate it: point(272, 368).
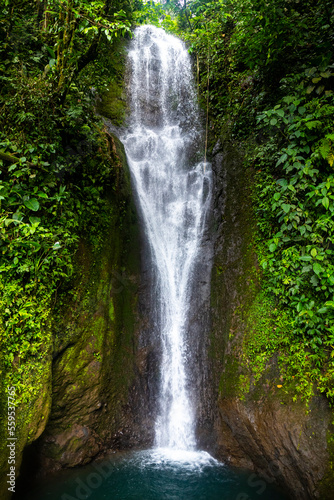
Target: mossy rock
point(112, 103)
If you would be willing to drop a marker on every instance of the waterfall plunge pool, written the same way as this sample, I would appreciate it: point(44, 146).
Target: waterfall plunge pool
point(156, 474)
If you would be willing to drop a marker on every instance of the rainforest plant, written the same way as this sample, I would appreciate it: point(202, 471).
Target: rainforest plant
point(56, 165)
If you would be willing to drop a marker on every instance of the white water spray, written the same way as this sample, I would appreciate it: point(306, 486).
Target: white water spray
point(162, 145)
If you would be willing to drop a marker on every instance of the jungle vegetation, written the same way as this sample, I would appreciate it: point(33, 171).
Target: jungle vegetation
point(265, 74)
point(55, 160)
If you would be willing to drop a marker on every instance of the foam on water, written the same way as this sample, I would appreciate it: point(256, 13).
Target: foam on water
point(187, 459)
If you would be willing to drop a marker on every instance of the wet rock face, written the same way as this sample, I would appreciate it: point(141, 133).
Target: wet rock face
point(198, 335)
point(281, 441)
point(78, 445)
point(103, 369)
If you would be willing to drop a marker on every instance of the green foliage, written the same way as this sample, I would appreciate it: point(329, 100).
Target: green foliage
point(297, 207)
point(172, 15)
point(57, 166)
point(58, 37)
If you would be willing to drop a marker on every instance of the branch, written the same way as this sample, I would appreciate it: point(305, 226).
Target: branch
point(85, 59)
point(12, 159)
point(88, 56)
point(186, 14)
point(8, 157)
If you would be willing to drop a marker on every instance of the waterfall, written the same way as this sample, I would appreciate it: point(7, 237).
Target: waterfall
point(163, 143)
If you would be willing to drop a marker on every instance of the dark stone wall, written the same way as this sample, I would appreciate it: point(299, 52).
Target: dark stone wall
point(283, 441)
point(101, 370)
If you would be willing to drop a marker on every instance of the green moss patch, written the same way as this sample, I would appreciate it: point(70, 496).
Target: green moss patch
point(112, 103)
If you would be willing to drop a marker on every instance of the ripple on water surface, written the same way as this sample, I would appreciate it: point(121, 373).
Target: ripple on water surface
point(158, 474)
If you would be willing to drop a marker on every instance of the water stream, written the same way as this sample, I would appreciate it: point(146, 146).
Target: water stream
point(173, 189)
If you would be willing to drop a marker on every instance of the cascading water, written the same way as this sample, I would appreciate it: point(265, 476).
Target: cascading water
point(173, 191)
point(173, 188)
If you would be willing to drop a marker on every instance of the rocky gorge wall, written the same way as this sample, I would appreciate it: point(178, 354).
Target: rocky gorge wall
point(99, 395)
point(257, 424)
point(100, 391)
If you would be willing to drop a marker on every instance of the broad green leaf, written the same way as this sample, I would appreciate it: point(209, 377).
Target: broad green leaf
point(325, 202)
point(32, 204)
point(51, 52)
point(310, 71)
point(317, 268)
point(289, 99)
point(305, 258)
point(314, 280)
point(34, 220)
point(282, 182)
point(313, 124)
point(286, 207)
point(282, 159)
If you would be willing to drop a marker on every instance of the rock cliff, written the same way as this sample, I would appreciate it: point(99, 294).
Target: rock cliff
point(258, 425)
